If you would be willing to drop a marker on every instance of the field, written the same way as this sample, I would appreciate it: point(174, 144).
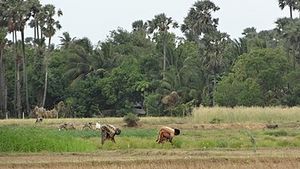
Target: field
point(210, 138)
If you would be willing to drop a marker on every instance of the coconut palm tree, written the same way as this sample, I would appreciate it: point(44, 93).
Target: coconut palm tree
point(83, 61)
point(66, 40)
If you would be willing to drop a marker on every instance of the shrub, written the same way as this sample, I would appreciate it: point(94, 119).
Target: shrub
point(131, 119)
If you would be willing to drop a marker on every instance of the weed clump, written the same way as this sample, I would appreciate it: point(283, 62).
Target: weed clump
point(131, 120)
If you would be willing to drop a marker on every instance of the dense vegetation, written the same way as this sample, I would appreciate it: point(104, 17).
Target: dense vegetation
point(145, 64)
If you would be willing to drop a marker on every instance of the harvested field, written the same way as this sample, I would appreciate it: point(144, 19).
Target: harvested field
point(156, 159)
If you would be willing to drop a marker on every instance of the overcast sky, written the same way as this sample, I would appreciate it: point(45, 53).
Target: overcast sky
point(96, 18)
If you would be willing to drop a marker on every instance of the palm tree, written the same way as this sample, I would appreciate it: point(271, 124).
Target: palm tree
point(289, 31)
point(139, 25)
point(66, 40)
point(83, 61)
point(48, 28)
point(213, 60)
point(34, 23)
point(162, 24)
point(13, 24)
point(3, 34)
point(25, 12)
point(292, 4)
point(3, 103)
point(201, 27)
point(18, 13)
point(199, 20)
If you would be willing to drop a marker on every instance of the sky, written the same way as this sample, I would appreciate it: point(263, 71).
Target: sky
point(96, 18)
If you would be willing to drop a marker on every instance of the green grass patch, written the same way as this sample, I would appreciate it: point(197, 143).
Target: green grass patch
point(36, 139)
point(30, 139)
point(277, 133)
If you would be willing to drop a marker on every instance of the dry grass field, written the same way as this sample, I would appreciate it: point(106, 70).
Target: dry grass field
point(210, 138)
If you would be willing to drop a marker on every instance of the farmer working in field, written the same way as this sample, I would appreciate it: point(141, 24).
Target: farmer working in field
point(166, 134)
point(108, 132)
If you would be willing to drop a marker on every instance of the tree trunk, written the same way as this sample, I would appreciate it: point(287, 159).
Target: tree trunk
point(164, 53)
point(291, 12)
point(37, 30)
point(213, 90)
point(18, 84)
point(18, 107)
point(5, 101)
point(2, 81)
point(46, 73)
point(45, 86)
point(25, 74)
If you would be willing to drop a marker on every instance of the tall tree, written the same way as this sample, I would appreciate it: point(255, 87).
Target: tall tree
point(3, 102)
point(34, 22)
point(162, 24)
point(3, 34)
point(25, 12)
point(12, 14)
point(49, 27)
point(289, 31)
point(199, 20)
point(139, 25)
point(214, 60)
point(201, 27)
point(292, 4)
point(83, 61)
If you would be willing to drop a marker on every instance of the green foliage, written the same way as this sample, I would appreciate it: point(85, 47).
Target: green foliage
point(145, 63)
point(131, 120)
point(254, 75)
point(153, 104)
point(125, 83)
point(231, 92)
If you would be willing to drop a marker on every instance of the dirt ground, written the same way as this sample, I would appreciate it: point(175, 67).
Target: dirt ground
point(156, 159)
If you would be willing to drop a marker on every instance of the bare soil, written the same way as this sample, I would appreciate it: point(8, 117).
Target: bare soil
point(156, 159)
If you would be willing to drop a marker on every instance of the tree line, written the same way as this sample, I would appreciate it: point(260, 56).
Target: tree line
point(143, 65)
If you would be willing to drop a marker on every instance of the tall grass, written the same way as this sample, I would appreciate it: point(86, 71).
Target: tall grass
point(246, 114)
point(30, 139)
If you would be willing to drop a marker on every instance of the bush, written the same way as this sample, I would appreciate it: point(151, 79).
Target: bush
point(131, 119)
